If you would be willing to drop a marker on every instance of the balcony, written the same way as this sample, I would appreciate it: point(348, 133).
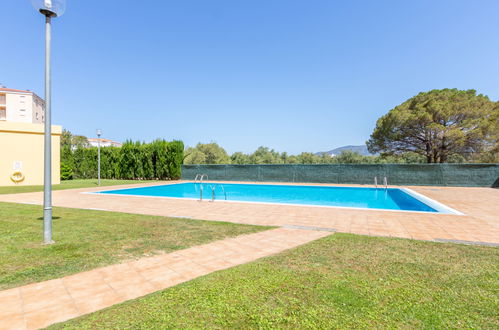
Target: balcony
point(3, 99)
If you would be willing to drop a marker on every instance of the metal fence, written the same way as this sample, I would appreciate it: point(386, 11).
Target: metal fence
point(468, 175)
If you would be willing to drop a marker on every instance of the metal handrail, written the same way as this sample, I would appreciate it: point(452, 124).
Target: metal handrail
point(213, 192)
point(223, 189)
point(385, 182)
point(199, 177)
point(376, 182)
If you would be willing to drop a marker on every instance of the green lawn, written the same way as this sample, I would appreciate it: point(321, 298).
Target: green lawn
point(70, 184)
point(87, 239)
point(342, 281)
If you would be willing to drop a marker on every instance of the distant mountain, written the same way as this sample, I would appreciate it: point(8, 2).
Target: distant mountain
point(359, 149)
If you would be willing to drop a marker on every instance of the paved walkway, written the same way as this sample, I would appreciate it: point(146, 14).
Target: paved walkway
point(39, 305)
point(480, 224)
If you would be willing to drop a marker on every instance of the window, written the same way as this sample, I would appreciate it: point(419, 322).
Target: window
point(3, 114)
point(23, 112)
point(23, 99)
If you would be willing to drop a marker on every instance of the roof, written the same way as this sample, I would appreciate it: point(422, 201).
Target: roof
point(14, 90)
point(101, 140)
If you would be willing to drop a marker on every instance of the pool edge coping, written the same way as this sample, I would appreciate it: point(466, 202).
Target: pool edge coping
point(441, 208)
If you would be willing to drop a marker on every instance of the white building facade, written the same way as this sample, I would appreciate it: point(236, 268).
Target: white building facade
point(103, 143)
point(21, 106)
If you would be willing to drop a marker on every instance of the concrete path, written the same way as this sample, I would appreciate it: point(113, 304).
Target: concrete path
point(39, 305)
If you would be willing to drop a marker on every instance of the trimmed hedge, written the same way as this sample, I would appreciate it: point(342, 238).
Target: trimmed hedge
point(161, 160)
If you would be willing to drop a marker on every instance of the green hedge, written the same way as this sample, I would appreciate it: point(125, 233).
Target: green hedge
point(160, 160)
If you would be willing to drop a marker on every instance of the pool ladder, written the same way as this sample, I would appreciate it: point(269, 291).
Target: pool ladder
point(199, 177)
point(213, 187)
point(213, 195)
point(385, 182)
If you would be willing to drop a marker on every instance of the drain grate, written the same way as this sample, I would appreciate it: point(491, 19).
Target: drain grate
point(309, 228)
point(443, 240)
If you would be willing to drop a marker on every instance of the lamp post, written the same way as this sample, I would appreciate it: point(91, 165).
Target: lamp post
point(48, 8)
point(99, 133)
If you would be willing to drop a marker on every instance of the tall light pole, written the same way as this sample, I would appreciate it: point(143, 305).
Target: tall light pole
point(99, 133)
point(48, 8)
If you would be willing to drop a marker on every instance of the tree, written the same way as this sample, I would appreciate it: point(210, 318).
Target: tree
point(239, 158)
point(308, 158)
point(194, 156)
point(73, 141)
point(209, 153)
point(436, 124)
point(264, 155)
point(352, 157)
point(404, 158)
point(490, 154)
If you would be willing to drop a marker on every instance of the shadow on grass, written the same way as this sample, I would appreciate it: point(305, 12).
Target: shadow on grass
point(53, 218)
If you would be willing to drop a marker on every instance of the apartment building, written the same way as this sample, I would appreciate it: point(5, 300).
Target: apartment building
point(19, 106)
point(103, 143)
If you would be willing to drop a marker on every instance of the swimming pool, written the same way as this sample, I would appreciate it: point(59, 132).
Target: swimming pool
point(401, 199)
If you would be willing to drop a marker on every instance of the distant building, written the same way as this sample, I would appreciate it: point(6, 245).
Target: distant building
point(19, 106)
point(103, 143)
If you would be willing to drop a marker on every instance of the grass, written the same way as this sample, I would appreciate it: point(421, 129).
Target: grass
point(341, 281)
point(88, 239)
point(70, 184)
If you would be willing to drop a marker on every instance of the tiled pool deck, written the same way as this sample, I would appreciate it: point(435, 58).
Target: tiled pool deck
point(479, 224)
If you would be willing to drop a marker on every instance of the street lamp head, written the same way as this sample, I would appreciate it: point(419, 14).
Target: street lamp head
point(50, 8)
point(99, 132)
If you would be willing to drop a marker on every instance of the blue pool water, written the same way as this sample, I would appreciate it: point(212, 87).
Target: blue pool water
point(388, 199)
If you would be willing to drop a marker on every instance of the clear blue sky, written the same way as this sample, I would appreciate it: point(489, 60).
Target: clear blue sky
point(288, 74)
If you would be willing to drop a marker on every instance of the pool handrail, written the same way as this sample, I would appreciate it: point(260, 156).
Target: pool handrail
point(200, 177)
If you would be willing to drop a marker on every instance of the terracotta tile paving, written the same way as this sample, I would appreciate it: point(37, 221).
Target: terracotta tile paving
point(479, 224)
point(40, 304)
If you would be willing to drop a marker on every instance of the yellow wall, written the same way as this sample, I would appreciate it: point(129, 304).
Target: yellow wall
point(23, 142)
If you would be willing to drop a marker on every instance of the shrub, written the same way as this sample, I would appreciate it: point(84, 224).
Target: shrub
point(66, 172)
